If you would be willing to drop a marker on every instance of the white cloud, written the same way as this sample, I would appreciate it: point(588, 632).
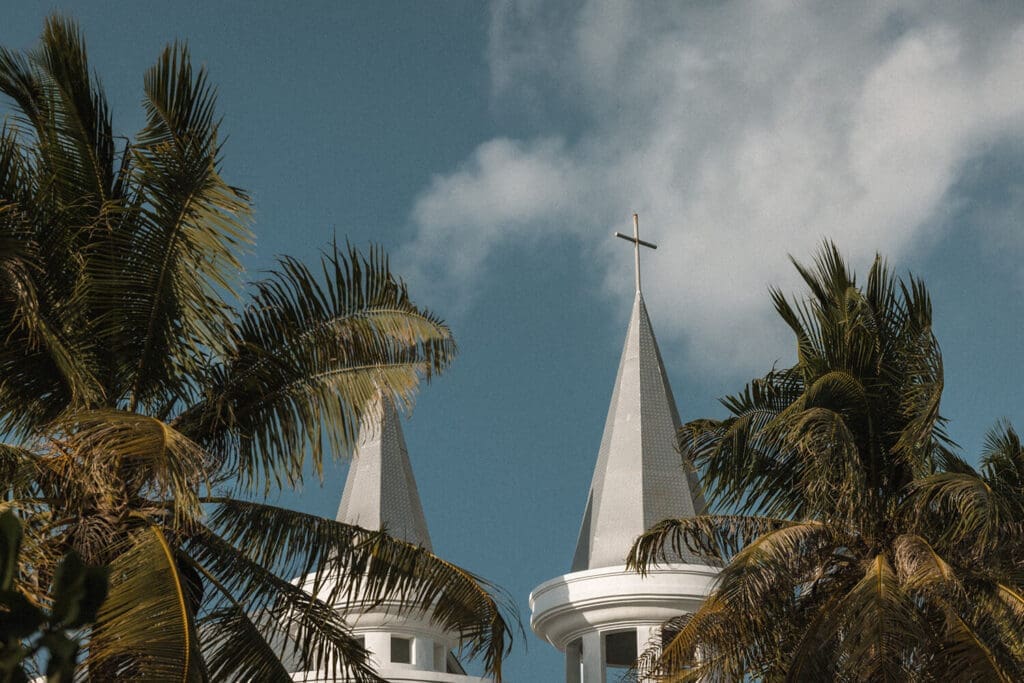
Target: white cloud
point(507, 188)
point(740, 131)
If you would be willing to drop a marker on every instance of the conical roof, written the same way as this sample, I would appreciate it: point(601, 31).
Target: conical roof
point(640, 477)
point(380, 491)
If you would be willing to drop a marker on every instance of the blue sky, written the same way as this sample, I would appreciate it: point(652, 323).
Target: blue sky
point(493, 150)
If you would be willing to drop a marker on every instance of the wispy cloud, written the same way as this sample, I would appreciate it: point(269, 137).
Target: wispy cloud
point(740, 131)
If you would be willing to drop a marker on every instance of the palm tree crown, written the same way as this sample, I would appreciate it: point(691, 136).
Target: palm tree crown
point(135, 396)
point(854, 549)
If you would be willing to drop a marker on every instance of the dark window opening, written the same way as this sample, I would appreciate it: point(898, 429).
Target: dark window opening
point(620, 649)
point(401, 650)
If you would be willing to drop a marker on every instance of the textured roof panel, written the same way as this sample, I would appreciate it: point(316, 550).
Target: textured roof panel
point(640, 477)
point(380, 490)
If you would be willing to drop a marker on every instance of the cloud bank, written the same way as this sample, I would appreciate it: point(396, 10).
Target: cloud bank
point(739, 131)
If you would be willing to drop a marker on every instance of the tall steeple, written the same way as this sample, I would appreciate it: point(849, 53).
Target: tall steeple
point(405, 644)
point(601, 614)
point(640, 477)
point(380, 491)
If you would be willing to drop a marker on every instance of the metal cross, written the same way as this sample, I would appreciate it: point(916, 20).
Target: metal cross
point(635, 239)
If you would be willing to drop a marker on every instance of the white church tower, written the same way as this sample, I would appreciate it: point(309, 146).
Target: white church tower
point(380, 493)
point(601, 614)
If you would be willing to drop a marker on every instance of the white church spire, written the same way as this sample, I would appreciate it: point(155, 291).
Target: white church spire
point(380, 491)
point(406, 645)
point(601, 614)
point(640, 477)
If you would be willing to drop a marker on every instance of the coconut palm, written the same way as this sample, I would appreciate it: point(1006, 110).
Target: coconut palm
point(983, 508)
point(857, 545)
point(144, 410)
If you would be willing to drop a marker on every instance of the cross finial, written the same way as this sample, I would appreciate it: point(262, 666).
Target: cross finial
point(635, 239)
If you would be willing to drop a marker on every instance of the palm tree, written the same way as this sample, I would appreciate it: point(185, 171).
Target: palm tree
point(136, 397)
point(853, 548)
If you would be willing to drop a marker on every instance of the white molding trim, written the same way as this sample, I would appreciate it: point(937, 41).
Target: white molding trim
point(609, 598)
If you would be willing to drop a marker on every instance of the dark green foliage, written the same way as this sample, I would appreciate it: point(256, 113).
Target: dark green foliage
point(26, 629)
point(860, 546)
point(139, 375)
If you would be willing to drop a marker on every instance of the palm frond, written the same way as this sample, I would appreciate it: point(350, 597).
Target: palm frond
point(779, 565)
point(920, 567)
point(832, 478)
point(740, 456)
point(965, 652)
point(776, 567)
point(969, 510)
point(146, 628)
point(1002, 459)
point(306, 625)
point(19, 471)
point(45, 368)
point(145, 455)
point(717, 537)
point(875, 623)
point(164, 285)
point(348, 565)
point(236, 648)
point(679, 662)
point(80, 110)
point(310, 356)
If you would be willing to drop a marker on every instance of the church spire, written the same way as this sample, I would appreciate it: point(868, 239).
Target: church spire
point(640, 477)
point(380, 491)
point(601, 614)
point(402, 637)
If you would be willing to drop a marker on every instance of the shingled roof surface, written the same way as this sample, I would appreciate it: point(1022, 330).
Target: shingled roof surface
point(640, 477)
point(380, 491)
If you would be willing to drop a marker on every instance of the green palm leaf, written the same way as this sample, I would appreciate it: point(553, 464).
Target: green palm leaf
point(168, 279)
point(882, 555)
point(716, 537)
point(309, 630)
point(308, 359)
point(146, 628)
point(236, 649)
point(343, 564)
point(37, 358)
point(131, 383)
point(142, 453)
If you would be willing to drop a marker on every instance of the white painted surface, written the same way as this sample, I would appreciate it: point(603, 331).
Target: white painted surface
point(614, 598)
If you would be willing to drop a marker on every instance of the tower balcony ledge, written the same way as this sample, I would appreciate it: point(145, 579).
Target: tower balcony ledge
point(400, 674)
point(390, 614)
point(608, 598)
